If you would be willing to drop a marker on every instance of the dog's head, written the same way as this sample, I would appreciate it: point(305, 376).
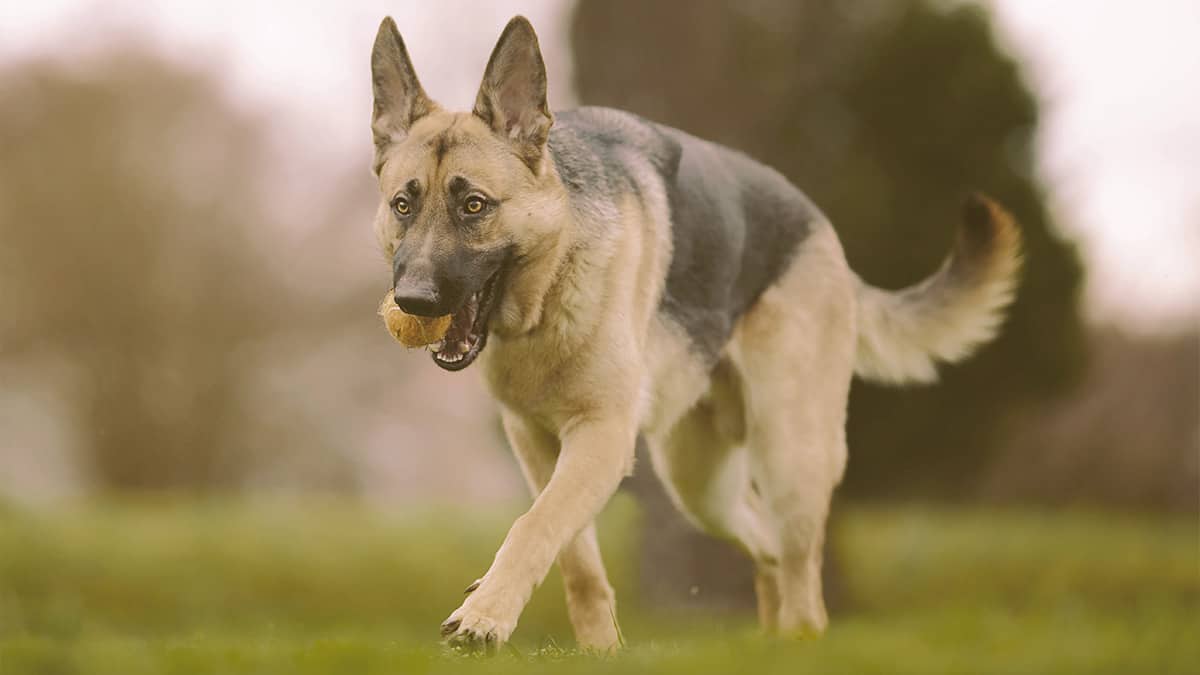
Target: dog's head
point(466, 198)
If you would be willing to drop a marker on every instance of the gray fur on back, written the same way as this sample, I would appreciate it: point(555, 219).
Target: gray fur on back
point(735, 223)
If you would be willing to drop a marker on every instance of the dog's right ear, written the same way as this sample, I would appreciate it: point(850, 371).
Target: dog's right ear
point(399, 98)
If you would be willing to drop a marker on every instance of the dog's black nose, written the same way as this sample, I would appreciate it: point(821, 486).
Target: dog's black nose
point(418, 300)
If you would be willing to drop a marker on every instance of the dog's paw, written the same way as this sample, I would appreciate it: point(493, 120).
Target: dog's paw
point(476, 633)
point(479, 625)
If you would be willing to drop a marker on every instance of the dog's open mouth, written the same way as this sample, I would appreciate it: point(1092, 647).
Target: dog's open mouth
point(468, 328)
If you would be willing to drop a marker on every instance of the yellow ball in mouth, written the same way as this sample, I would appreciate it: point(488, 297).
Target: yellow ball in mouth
point(410, 330)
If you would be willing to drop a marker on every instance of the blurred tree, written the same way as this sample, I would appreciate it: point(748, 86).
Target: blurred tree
point(132, 209)
point(1130, 439)
point(886, 114)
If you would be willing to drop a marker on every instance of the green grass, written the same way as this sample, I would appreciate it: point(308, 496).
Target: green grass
point(305, 588)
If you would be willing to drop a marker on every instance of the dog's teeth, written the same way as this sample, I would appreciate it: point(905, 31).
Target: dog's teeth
point(437, 346)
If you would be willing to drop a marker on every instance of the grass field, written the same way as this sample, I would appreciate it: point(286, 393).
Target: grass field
point(304, 588)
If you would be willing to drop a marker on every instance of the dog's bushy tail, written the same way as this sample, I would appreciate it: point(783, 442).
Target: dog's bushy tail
point(902, 335)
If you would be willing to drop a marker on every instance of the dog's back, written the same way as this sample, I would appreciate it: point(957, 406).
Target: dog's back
point(734, 223)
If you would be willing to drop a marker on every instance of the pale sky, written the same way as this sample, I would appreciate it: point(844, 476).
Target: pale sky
point(1119, 145)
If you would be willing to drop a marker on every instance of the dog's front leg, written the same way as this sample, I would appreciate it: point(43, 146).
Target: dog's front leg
point(596, 454)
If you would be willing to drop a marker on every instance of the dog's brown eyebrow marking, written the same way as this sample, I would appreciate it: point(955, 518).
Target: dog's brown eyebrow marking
point(459, 185)
point(443, 143)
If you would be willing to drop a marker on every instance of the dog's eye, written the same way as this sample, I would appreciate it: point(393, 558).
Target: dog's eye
point(401, 206)
point(473, 205)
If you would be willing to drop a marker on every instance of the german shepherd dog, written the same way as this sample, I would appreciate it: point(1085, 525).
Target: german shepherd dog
point(616, 277)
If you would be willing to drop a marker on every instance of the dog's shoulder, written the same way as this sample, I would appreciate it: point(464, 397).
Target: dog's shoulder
point(596, 148)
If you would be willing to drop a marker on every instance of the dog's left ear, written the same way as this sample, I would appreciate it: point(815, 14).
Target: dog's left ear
point(512, 98)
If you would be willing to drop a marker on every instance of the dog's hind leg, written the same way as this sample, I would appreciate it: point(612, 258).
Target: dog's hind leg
point(704, 468)
point(590, 600)
point(795, 349)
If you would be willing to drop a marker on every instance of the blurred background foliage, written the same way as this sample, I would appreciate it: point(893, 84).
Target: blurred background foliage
point(129, 204)
point(187, 308)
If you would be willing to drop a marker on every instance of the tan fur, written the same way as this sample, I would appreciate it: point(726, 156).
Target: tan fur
point(581, 359)
point(587, 348)
point(903, 334)
point(796, 358)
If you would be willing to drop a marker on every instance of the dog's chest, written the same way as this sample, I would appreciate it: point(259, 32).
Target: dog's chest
point(659, 381)
point(534, 376)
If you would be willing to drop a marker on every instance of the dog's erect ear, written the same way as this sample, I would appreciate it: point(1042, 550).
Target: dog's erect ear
point(399, 98)
point(512, 98)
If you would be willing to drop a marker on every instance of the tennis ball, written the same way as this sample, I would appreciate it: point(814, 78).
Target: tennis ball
point(410, 330)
